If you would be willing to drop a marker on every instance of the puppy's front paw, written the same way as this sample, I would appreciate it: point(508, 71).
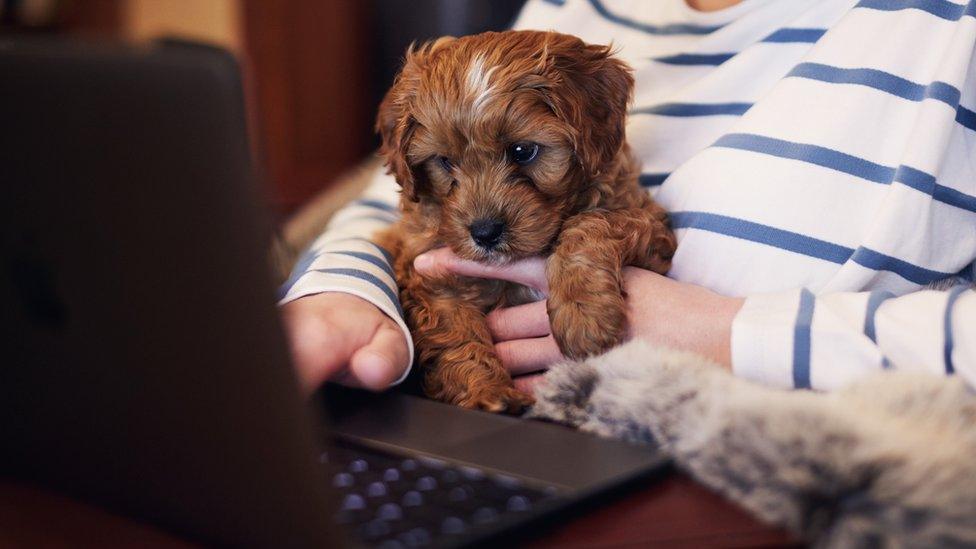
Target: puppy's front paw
point(586, 324)
point(496, 398)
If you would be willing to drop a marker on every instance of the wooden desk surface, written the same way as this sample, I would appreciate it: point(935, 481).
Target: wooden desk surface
point(672, 512)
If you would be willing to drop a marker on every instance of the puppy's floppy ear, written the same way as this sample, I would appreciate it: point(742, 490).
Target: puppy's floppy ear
point(590, 90)
point(395, 121)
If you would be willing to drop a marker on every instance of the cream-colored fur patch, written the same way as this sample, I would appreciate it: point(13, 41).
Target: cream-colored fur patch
point(479, 82)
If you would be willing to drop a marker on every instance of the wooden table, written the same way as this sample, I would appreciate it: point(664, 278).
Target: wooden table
point(671, 512)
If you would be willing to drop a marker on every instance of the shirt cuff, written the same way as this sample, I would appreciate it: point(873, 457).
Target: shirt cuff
point(762, 338)
point(315, 283)
point(351, 266)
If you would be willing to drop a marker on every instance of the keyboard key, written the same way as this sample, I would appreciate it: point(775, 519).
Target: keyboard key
point(458, 494)
point(389, 511)
point(453, 526)
point(375, 529)
point(433, 463)
point(485, 515)
point(450, 476)
point(343, 480)
point(417, 537)
point(518, 504)
point(508, 482)
point(426, 483)
point(353, 502)
point(472, 473)
point(396, 502)
point(412, 499)
point(376, 490)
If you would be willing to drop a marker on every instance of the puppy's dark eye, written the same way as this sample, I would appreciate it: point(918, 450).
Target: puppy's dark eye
point(445, 163)
point(523, 153)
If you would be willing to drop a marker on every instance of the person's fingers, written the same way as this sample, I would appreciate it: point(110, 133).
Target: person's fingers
point(529, 272)
point(522, 356)
point(528, 383)
point(381, 361)
point(520, 322)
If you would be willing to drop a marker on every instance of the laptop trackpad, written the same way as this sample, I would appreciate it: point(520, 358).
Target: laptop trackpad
point(543, 452)
point(411, 422)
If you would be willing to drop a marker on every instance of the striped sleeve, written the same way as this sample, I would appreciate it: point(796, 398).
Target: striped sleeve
point(798, 340)
point(344, 259)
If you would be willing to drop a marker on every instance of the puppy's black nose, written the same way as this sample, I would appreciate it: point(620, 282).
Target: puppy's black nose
point(487, 232)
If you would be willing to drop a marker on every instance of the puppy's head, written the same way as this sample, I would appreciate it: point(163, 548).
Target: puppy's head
point(497, 137)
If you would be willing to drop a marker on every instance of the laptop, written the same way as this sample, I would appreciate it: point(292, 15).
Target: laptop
point(143, 365)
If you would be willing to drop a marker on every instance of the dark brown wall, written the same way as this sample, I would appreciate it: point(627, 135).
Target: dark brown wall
point(309, 75)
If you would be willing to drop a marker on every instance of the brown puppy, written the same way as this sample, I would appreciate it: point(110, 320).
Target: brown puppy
point(508, 145)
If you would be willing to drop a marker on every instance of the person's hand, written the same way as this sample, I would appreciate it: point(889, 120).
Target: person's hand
point(340, 337)
point(660, 310)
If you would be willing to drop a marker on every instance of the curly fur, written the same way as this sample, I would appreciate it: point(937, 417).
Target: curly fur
point(446, 124)
point(887, 462)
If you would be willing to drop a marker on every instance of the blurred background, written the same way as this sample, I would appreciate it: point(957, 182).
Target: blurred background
point(315, 70)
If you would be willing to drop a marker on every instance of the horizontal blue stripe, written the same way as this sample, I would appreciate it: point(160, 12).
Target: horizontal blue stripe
point(889, 83)
point(385, 218)
point(804, 245)
point(695, 109)
point(379, 205)
point(807, 36)
point(966, 117)
point(310, 255)
point(383, 265)
point(678, 28)
point(916, 179)
point(875, 299)
point(652, 179)
point(946, 195)
point(781, 36)
point(301, 266)
point(843, 162)
point(813, 154)
point(879, 80)
point(368, 278)
point(881, 262)
point(380, 249)
point(938, 8)
point(763, 234)
point(711, 59)
point(555, 2)
point(947, 327)
point(801, 340)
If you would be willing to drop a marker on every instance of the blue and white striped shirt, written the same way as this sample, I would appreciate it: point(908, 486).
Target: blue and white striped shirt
point(817, 157)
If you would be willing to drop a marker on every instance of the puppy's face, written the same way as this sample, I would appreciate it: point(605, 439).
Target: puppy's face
point(497, 136)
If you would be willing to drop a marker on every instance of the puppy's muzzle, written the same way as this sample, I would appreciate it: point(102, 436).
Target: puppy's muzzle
point(487, 233)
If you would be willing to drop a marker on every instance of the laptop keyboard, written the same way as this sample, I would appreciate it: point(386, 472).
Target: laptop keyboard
point(391, 501)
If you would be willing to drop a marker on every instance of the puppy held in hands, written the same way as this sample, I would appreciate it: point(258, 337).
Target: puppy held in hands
point(508, 145)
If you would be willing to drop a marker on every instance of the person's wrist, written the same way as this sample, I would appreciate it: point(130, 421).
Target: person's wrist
point(722, 313)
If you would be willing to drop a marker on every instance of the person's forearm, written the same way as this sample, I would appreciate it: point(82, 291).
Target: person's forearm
point(799, 340)
point(344, 259)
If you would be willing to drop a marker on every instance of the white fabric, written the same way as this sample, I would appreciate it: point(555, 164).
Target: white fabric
point(811, 152)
